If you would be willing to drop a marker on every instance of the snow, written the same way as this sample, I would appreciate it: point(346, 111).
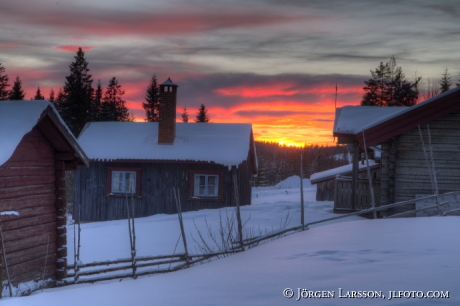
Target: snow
point(354, 254)
point(9, 213)
point(17, 118)
point(225, 144)
point(355, 119)
point(342, 170)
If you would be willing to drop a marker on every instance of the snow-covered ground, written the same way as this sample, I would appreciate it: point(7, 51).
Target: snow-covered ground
point(384, 258)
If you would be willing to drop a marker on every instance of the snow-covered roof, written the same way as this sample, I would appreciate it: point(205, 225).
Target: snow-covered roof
point(343, 170)
point(225, 144)
point(17, 118)
point(355, 119)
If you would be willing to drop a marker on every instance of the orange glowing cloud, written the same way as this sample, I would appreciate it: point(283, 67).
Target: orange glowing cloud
point(281, 90)
point(285, 113)
point(73, 48)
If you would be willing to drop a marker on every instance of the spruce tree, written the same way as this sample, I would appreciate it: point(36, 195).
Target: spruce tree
point(16, 92)
point(38, 95)
point(59, 99)
point(51, 97)
point(75, 108)
point(445, 83)
point(202, 114)
point(152, 98)
point(96, 102)
point(184, 115)
point(113, 106)
point(4, 92)
point(388, 86)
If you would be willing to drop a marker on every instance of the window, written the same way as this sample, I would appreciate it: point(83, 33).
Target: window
point(206, 185)
point(122, 181)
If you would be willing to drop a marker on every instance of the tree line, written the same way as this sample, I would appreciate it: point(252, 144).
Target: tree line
point(388, 86)
point(78, 102)
point(278, 162)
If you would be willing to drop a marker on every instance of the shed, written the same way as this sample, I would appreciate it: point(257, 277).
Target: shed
point(326, 180)
point(149, 159)
point(36, 150)
point(404, 172)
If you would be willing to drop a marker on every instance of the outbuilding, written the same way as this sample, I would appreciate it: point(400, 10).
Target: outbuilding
point(36, 148)
point(413, 140)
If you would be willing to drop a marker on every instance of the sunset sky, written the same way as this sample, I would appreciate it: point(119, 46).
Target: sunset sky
point(274, 64)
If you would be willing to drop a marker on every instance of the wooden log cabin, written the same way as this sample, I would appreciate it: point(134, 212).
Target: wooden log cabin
point(149, 159)
point(36, 150)
point(404, 172)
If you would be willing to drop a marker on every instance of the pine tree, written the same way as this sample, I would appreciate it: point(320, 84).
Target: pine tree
point(445, 83)
point(75, 109)
point(152, 98)
point(96, 102)
point(388, 86)
point(38, 95)
point(113, 106)
point(202, 114)
point(16, 92)
point(184, 115)
point(59, 99)
point(51, 97)
point(4, 92)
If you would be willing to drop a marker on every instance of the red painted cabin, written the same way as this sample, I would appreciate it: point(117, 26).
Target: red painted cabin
point(36, 149)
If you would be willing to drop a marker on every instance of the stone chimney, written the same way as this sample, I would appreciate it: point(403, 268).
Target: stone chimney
point(167, 121)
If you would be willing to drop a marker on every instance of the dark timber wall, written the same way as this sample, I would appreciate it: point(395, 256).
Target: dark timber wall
point(156, 195)
point(27, 186)
point(404, 170)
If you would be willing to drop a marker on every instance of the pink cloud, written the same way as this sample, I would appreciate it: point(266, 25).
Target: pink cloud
point(73, 48)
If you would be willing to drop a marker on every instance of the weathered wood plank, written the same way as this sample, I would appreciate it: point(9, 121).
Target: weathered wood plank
point(19, 203)
point(26, 222)
point(33, 269)
point(23, 171)
point(31, 241)
point(22, 191)
point(7, 182)
point(36, 274)
point(25, 255)
point(29, 212)
point(21, 233)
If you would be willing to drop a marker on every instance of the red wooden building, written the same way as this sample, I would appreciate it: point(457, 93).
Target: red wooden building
point(36, 148)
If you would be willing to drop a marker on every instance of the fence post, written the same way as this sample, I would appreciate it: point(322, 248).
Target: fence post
point(181, 222)
point(6, 265)
point(302, 209)
point(238, 215)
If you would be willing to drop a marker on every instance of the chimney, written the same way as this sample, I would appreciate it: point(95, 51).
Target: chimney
point(167, 120)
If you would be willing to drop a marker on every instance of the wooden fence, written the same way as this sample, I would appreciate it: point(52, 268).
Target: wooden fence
point(343, 190)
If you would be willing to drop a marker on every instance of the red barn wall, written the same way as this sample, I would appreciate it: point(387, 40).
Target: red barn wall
point(27, 185)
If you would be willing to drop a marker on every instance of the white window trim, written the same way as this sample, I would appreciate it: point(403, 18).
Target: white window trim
point(123, 182)
point(196, 187)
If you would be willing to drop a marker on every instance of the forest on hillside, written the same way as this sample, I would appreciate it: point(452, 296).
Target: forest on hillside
point(278, 162)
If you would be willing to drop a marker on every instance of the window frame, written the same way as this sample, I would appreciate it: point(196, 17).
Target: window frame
point(220, 181)
point(110, 171)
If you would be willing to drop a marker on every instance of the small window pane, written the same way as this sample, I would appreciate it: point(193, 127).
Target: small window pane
point(211, 191)
point(117, 182)
point(130, 182)
point(212, 180)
